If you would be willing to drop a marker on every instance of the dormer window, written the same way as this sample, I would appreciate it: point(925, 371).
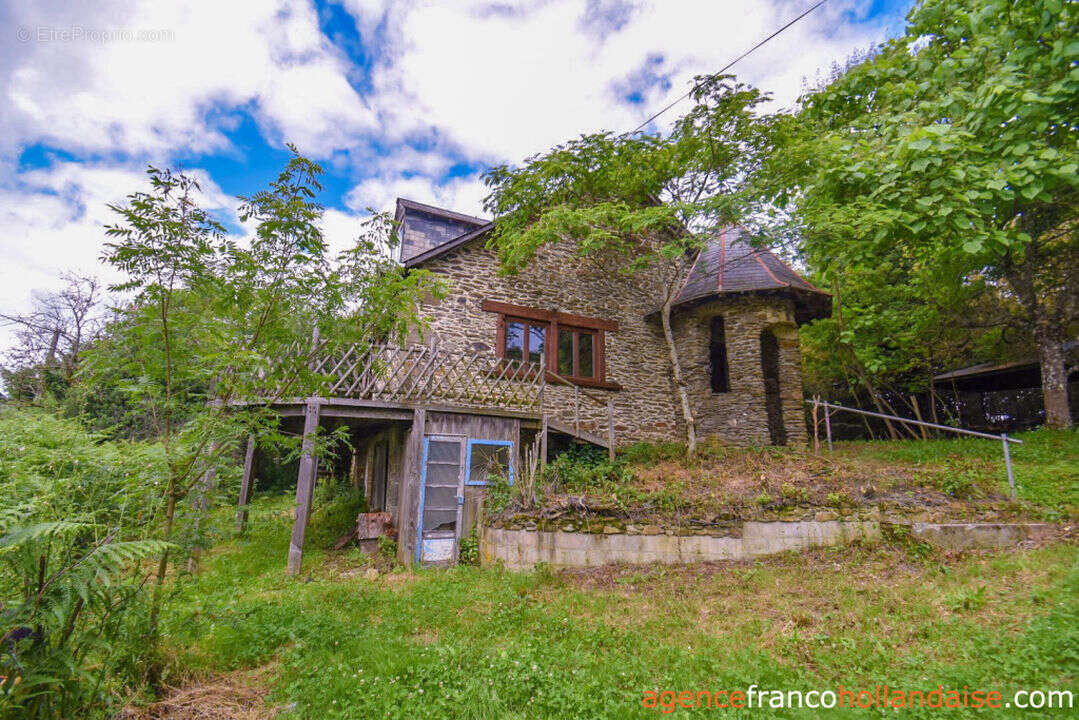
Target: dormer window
point(572, 346)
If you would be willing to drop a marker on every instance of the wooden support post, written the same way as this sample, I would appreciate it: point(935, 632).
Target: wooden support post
point(409, 498)
point(305, 485)
point(206, 486)
point(816, 425)
point(368, 469)
point(355, 472)
point(245, 484)
point(577, 409)
point(918, 415)
point(828, 424)
point(610, 429)
point(543, 444)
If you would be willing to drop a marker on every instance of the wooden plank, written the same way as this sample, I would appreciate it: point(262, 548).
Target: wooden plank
point(554, 425)
point(532, 313)
point(543, 444)
point(245, 484)
point(305, 485)
point(410, 488)
point(332, 409)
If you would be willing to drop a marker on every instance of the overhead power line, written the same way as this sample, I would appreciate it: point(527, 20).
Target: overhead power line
point(729, 65)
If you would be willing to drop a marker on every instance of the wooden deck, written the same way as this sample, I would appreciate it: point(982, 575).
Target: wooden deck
point(419, 375)
point(379, 385)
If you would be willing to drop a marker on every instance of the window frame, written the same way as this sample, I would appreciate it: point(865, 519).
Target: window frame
point(468, 460)
point(554, 321)
point(575, 353)
point(526, 339)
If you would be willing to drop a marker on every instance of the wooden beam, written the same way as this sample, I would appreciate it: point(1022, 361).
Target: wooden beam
point(332, 410)
point(531, 313)
point(305, 485)
point(543, 444)
point(245, 484)
point(206, 486)
point(409, 497)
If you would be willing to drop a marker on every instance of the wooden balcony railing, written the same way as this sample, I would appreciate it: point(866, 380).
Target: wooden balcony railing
point(419, 374)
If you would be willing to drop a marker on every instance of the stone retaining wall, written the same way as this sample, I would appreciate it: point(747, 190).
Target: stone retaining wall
point(522, 549)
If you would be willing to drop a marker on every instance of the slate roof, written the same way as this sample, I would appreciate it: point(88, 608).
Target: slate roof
point(415, 260)
point(729, 264)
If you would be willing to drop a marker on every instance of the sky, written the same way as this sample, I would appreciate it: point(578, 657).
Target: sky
point(398, 98)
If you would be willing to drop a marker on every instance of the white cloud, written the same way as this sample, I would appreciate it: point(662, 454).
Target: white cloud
point(463, 194)
point(470, 81)
point(507, 84)
point(53, 220)
point(155, 98)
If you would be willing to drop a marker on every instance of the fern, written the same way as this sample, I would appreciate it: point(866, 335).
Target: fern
point(74, 595)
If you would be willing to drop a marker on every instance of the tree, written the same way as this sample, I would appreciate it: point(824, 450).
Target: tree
point(956, 145)
point(637, 207)
point(214, 330)
point(50, 337)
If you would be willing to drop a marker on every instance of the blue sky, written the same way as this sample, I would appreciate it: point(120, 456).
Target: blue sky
point(408, 98)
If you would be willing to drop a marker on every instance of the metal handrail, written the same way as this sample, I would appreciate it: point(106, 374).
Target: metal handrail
point(1003, 437)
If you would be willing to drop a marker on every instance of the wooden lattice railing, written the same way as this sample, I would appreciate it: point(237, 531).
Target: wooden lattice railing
point(434, 376)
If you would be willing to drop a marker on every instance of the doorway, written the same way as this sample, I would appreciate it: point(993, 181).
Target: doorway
point(441, 499)
point(379, 473)
point(773, 401)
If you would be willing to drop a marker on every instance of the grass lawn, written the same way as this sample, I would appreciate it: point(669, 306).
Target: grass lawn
point(484, 643)
point(953, 479)
point(1046, 464)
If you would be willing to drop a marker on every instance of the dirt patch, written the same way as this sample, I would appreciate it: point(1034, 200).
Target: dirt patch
point(236, 696)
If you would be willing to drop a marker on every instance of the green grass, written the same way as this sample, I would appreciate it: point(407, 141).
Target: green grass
point(1046, 465)
point(484, 643)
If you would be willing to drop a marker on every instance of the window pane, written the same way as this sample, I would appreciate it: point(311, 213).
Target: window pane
point(584, 355)
point(515, 340)
point(565, 352)
point(443, 451)
point(488, 461)
point(439, 520)
point(537, 335)
point(443, 474)
point(440, 498)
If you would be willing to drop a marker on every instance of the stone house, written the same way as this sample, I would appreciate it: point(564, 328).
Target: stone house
point(556, 353)
point(735, 323)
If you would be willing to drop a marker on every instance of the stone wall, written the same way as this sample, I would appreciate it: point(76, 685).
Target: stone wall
point(523, 549)
point(738, 416)
point(646, 408)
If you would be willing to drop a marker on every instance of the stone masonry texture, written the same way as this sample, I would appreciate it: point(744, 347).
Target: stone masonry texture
point(646, 408)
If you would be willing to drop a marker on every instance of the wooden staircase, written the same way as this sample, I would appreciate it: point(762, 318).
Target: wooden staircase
point(568, 429)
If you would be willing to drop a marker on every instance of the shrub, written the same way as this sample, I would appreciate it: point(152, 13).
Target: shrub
point(76, 616)
point(470, 550)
